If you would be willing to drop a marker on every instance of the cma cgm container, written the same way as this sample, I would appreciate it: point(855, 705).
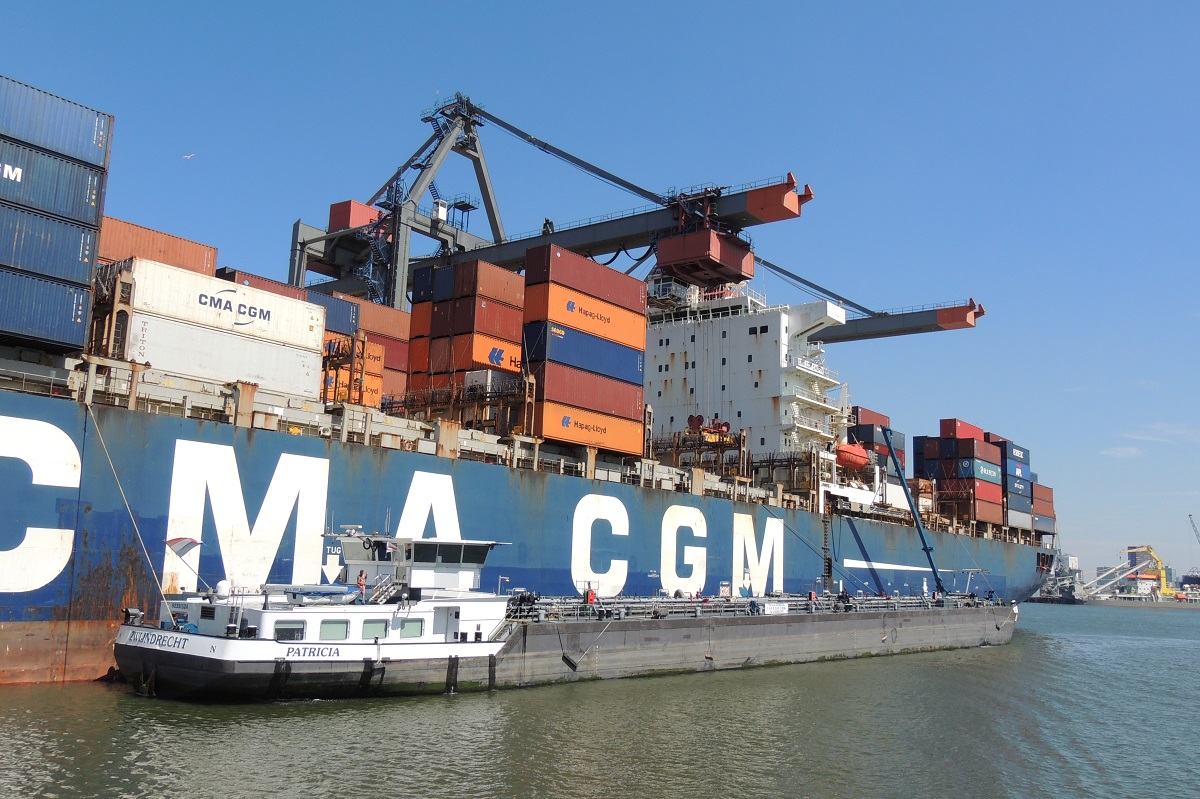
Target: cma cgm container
point(219, 356)
point(546, 341)
point(567, 386)
point(54, 123)
point(43, 182)
point(121, 240)
point(34, 309)
point(186, 296)
point(340, 316)
point(552, 264)
point(557, 422)
point(566, 306)
point(42, 245)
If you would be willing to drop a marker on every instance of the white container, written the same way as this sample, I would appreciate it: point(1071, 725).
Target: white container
point(203, 353)
point(173, 293)
point(1020, 519)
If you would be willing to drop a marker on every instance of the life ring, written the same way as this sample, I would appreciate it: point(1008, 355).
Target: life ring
point(367, 544)
point(408, 445)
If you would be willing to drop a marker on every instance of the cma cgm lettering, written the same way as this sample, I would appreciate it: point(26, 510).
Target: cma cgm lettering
point(217, 302)
point(9, 172)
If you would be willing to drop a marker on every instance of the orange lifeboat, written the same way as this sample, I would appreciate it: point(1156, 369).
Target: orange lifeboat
point(851, 456)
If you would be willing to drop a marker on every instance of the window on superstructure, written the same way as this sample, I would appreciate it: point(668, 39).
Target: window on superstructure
point(756, 384)
point(722, 386)
point(693, 337)
point(335, 629)
point(750, 358)
point(374, 628)
point(723, 332)
point(660, 393)
point(762, 442)
point(660, 367)
point(672, 420)
point(753, 330)
point(289, 630)
point(693, 364)
point(739, 414)
point(411, 628)
point(692, 390)
point(762, 329)
point(660, 342)
point(722, 361)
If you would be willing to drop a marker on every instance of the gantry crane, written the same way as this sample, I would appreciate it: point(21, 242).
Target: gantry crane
point(374, 258)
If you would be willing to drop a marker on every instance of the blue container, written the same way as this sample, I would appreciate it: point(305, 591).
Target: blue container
point(1019, 502)
point(443, 283)
point(1016, 469)
point(975, 469)
point(1043, 524)
point(45, 312)
point(341, 316)
point(42, 245)
point(43, 182)
point(947, 448)
point(873, 434)
point(1012, 452)
point(1018, 485)
point(546, 341)
point(422, 282)
point(53, 123)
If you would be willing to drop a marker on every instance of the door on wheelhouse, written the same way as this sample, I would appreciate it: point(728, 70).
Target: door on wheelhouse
point(445, 622)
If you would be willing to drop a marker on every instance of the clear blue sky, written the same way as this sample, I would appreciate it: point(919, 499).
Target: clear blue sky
point(1041, 158)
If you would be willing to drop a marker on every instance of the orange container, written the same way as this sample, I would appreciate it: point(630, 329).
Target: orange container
point(477, 351)
point(370, 353)
point(481, 279)
point(395, 382)
point(266, 284)
point(395, 352)
point(349, 213)
point(339, 386)
point(556, 422)
point(418, 356)
point(578, 311)
point(376, 318)
point(120, 240)
point(441, 358)
point(422, 314)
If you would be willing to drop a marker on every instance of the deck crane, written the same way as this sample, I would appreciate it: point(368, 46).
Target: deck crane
point(1193, 577)
point(374, 258)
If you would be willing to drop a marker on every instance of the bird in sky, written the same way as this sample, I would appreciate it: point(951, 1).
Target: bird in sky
point(188, 156)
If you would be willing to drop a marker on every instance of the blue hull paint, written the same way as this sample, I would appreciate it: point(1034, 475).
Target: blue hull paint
point(535, 512)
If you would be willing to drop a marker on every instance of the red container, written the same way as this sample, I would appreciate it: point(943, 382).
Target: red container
point(256, 282)
point(441, 358)
point(992, 438)
point(1043, 492)
point(446, 380)
point(972, 489)
point(395, 382)
point(376, 318)
point(481, 279)
point(933, 446)
point(552, 263)
point(421, 317)
point(882, 451)
point(120, 240)
point(865, 416)
point(974, 448)
point(488, 316)
point(980, 511)
point(441, 322)
point(418, 381)
point(349, 213)
point(567, 386)
point(418, 356)
point(1043, 507)
point(395, 352)
point(957, 428)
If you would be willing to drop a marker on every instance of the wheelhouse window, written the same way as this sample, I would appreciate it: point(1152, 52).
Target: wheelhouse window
point(411, 628)
point(374, 628)
point(334, 629)
point(289, 630)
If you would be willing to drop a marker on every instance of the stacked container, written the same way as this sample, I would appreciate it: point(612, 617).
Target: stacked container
point(120, 241)
point(390, 330)
point(53, 173)
point(967, 471)
point(585, 340)
point(869, 433)
point(1027, 504)
point(352, 370)
point(215, 330)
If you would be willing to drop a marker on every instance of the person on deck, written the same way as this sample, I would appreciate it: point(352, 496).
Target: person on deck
point(362, 588)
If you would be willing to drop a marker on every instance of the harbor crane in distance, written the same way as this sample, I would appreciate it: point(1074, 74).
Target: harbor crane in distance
point(1194, 574)
point(373, 259)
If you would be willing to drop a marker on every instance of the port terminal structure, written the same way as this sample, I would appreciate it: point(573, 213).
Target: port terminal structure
point(373, 260)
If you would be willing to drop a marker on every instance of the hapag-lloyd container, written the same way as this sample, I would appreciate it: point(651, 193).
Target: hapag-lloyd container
point(575, 387)
point(552, 264)
point(556, 422)
point(54, 314)
point(220, 356)
point(395, 352)
point(567, 306)
point(186, 296)
point(120, 240)
point(54, 123)
point(477, 351)
point(42, 245)
point(546, 341)
point(43, 182)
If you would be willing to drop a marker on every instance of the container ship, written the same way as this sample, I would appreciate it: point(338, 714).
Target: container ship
point(166, 425)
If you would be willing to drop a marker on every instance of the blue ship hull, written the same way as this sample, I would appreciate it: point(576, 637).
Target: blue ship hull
point(93, 496)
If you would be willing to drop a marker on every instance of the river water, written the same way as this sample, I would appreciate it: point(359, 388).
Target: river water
point(1085, 702)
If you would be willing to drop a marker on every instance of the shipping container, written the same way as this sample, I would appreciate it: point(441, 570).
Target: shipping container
point(947, 448)
point(1044, 524)
point(1019, 519)
point(567, 386)
point(395, 382)
point(487, 316)
point(973, 468)
point(1017, 469)
point(46, 312)
point(41, 245)
point(350, 214)
point(418, 381)
point(191, 297)
point(545, 341)
point(382, 319)
point(422, 285)
point(1043, 507)
point(990, 512)
point(420, 319)
point(481, 279)
point(340, 316)
point(42, 182)
point(933, 448)
point(477, 351)
point(359, 353)
point(974, 448)
point(54, 123)
point(123, 240)
point(447, 380)
point(395, 351)
point(873, 434)
point(441, 355)
point(219, 356)
point(551, 263)
point(555, 422)
point(566, 306)
point(342, 385)
point(1042, 492)
point(865, 416)
point(1018, 485)
point(957, 428)
point(1019, 502)
point(489, 379)
point(443, 283)
point(418, 356)
point(977, 489)
point(257, 282)
point(1014, 453)
point(441, 322)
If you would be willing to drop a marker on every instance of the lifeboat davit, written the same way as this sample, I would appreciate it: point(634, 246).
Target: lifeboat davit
point(851, 456)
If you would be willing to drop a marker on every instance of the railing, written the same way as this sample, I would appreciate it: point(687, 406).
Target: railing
point(803, 362)
point(31, 383)
point(812, 396)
